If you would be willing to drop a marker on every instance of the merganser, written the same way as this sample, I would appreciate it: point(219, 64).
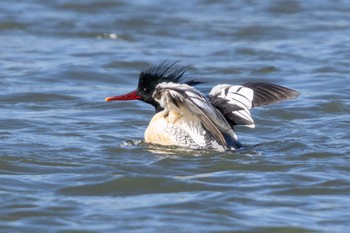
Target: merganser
point(187, 118)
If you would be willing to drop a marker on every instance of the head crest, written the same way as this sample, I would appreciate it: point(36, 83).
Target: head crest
point(167, 72)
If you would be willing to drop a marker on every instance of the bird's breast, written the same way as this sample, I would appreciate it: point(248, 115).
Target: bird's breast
point(173, 129)
point(166, 128)
point(156, 130)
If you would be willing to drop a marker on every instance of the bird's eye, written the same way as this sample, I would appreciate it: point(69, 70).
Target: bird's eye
point(145, 89)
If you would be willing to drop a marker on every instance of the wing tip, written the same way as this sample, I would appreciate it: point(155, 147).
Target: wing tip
point(268, 93)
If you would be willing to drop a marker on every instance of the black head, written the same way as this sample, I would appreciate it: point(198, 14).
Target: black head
point(165, 72)
point(150, 78)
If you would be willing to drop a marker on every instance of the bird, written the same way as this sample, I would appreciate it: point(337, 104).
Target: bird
point(185, 117)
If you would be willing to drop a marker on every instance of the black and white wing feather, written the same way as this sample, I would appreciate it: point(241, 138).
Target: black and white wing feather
point(174, 97)
point(235, 101)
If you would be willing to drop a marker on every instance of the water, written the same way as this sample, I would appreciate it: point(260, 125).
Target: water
point(70, 162)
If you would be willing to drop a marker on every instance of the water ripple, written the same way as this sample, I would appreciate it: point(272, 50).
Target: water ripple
point(71, 162)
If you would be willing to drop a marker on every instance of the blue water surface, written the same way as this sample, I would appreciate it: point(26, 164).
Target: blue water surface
point(71, 162)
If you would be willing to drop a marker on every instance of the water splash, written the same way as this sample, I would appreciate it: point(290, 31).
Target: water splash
point(112, 36)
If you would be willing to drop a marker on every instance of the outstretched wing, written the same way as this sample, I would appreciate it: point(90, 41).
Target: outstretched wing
point(268, 93)
point(235, 101)
point(175, 97)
